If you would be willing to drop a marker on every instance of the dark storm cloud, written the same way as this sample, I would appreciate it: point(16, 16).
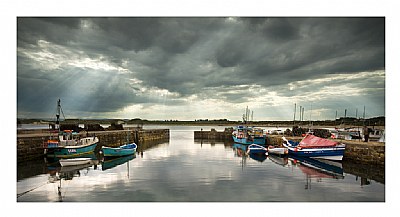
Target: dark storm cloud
point(186, 55)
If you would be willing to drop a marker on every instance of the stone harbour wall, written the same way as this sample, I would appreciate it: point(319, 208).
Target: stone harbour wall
point(30, 146)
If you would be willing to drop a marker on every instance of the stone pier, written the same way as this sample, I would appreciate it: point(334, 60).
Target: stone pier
point(30, 144)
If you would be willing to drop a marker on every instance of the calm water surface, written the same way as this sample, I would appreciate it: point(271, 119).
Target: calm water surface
point(187, 170)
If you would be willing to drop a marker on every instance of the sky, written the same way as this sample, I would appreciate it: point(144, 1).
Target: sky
point(188, 68)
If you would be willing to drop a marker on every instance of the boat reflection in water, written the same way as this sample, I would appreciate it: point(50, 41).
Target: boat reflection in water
point(318, 169)
point(54, 161)
point(109, 163)
point(282, 161)
point(241, 150)
point(67, 173)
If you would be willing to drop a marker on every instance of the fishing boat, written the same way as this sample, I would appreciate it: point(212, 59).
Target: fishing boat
point(127, 149)
point(277, 150)
point(75, 161)
point(248, 135)
point(315, 147)
point(243, 134)
point(257, 149)
point(68, 143)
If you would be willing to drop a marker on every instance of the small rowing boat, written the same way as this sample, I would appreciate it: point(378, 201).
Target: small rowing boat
point(123, 150)
point(257, 149)
point(75, 161)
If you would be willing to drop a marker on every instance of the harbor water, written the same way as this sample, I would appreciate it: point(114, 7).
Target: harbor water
point(188, 170)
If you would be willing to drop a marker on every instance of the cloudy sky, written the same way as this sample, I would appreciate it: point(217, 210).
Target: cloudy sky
point(189, 68)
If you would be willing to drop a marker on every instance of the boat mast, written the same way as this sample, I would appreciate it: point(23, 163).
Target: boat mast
point(294, 115)
point(59, 111)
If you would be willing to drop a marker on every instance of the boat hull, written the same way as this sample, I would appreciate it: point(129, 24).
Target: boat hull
point(315, 147)
point(256, 149)
point(278, 151)
point(70, 151)
point(322, 153)
point(118, 152)
point(247, 141)
point(75, 161)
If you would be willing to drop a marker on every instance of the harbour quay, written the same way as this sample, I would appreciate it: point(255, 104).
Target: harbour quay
point(357, 151)
point(30, 142)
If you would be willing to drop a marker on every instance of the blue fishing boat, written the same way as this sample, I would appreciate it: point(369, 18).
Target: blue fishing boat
point(247, 135)
point(127, 149)
point(315, 147)
point(257, 149)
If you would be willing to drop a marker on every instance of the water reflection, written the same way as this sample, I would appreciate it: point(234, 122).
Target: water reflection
point(317, 169)
point(93, 156)
point(109, 163)
point(68, 173)
point(184, 170)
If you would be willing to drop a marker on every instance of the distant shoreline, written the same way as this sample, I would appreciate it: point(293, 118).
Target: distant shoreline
point(339, 123)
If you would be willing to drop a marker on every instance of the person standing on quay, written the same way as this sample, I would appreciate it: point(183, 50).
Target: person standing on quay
point(366, 133)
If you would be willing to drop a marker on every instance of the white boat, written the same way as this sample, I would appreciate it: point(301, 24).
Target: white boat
point(277, 150)
point(75, 161)
point(377, 135)
point(346, 133)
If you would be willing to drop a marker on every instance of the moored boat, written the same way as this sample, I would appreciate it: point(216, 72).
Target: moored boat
point(258, 157)
point(67, 144)
point(277, 150)
point(257, 149)
point(127, 149)
point(75, 161)
point(248, 135)
point(316, 147)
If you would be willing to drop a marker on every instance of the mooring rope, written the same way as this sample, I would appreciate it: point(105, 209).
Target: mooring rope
point(20, 194)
